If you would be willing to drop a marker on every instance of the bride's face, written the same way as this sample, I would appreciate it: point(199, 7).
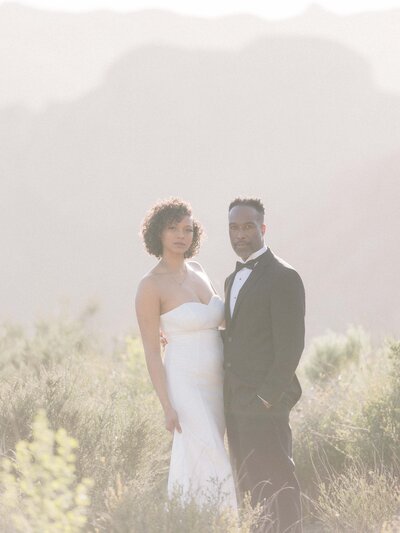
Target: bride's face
point(177, 236)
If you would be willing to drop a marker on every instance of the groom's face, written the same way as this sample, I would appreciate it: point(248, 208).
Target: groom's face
point(246, 230)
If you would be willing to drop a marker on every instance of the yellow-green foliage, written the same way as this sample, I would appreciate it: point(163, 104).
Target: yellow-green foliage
point(40, 490)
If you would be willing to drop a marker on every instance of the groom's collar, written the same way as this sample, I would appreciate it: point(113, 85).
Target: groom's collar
point(256, 254)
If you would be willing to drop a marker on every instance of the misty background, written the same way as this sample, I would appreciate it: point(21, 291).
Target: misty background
point(102, 114)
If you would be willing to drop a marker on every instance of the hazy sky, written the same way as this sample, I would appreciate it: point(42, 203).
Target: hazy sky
point(265, 8)
point(96, 125)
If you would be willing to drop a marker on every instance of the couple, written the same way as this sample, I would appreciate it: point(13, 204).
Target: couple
point(247, 382)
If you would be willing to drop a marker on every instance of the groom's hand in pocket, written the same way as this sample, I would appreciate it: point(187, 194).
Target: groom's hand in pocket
point(267, 404)
point(163, 340)
point(172, 421)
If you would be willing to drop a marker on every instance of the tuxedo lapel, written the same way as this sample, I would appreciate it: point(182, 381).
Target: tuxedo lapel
point(255, 275)
point(229, 283)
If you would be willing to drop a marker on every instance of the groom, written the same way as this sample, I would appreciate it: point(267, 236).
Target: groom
point(263, 342)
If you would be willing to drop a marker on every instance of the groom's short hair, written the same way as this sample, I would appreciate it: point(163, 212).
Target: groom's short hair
point(256, 203)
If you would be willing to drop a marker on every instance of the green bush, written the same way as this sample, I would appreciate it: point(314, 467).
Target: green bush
point(40, 491)
point(377, 421)
point(354, 416)
point(330, 354)
point(350, 420)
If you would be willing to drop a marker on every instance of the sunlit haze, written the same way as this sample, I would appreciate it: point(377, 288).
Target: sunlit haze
point(264, 8)
point(107, 109)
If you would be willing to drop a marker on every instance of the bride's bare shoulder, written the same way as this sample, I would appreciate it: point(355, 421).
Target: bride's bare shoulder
point(149, 284)
point(152, 276)
point(196, 266)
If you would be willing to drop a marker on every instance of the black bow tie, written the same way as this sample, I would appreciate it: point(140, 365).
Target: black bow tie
point(250, 264)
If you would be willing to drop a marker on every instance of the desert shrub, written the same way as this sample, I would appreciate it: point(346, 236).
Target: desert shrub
point(136, 375)
point(13, 348)
point(353, 416)
point(318, 436)
point(107, 403)
point(377, 421)
point(332, 389)
point(53, 340)
point(152, 512)
point(39, 487)
point(356, 417)
point(392, 525)
point(351, 419)
point(330, 354)
point(358, 500)
point(96, 399)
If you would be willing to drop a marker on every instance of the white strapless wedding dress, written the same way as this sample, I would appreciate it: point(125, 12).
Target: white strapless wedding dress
point(199, 465)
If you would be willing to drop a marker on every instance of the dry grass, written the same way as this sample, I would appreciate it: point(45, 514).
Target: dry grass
point(346, 431)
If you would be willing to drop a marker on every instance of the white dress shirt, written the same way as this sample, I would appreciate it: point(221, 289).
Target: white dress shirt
point(241, 277)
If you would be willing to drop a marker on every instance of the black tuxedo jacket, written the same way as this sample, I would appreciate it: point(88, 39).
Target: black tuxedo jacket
point(264, 339)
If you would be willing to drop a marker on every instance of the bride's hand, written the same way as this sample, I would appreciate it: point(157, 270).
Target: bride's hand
point(172, 421)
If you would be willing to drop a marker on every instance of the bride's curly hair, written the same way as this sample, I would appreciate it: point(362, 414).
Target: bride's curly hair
point(162, 214)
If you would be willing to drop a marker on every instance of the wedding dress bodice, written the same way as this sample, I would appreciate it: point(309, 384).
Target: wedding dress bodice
point(191, 317)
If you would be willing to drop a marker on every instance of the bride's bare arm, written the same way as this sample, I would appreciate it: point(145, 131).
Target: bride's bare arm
point(148, 315)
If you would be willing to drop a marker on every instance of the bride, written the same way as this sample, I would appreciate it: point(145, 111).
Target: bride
point(177, 297)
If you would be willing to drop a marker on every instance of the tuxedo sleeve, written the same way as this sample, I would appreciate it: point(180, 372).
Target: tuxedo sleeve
point(226, 284)
point(287, 320)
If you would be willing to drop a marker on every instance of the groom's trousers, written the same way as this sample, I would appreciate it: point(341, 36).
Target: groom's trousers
point(261, 454)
